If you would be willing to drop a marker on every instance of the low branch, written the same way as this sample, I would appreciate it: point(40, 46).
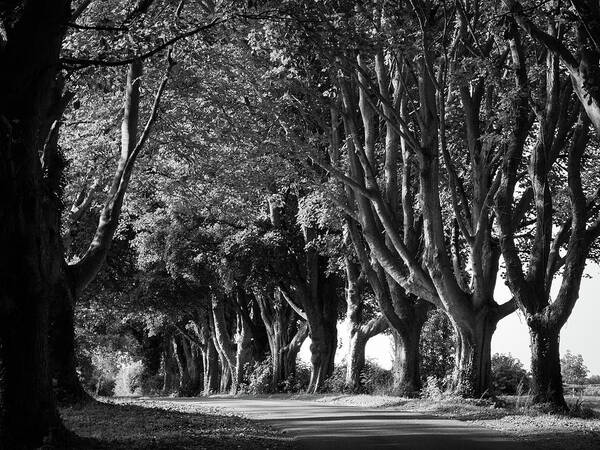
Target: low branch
point(83, 62)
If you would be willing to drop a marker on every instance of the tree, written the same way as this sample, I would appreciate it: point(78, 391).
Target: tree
point(560, 137)
point(392, 97)
point(361, 328)
point(573, 368)
point(437, 347)
point(77, 275)
point(30, 40)
point(508, 375)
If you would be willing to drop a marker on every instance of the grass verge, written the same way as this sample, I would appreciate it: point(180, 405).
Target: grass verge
point(152, 425)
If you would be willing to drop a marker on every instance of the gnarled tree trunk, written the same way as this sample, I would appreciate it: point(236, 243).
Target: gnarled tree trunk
point(77, 276)
point(472, 369)
point(358, 333)
point(211, 368)
point(546, 377)
point(285, 334)
point(30, 42)
point(171, 374)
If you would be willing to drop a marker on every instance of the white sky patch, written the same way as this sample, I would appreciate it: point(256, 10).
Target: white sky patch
point(581, 334)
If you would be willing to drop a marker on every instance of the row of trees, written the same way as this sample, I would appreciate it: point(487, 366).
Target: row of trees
point(392, 154)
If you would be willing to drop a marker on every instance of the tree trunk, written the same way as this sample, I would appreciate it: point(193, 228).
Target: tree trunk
point(290, 351)
point(171, 375)
point(195, 368)
point(225, 376)
point(358, 333)
point(406, 368)
point(225, 345)
point(151, 355)
point(27, 413)
point(211, 369)
point(31, 39)
point(322, 349)
point(63, 362)
point(355, 362)
point(285, 335)
point(472, 371)
point(546, 379)
point(185, 388)
point(243, 355)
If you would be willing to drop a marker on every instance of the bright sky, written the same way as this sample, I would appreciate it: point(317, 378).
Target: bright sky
point(581, 334)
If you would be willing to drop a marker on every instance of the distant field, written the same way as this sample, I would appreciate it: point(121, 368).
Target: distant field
point(591, 401)
point(587, 400)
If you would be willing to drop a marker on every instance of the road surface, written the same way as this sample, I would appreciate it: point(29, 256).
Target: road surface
point(316, 425)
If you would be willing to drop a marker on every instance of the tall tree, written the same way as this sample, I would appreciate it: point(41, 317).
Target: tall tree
point(77, 275)
point(31, 34)
point(561, 240)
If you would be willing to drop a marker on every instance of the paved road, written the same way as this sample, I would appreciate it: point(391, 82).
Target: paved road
point(322, 426)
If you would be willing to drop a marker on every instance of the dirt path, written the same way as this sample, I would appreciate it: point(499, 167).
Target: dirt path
point(322, 426)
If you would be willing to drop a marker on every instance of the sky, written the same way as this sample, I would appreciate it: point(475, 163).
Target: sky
point(581, 333)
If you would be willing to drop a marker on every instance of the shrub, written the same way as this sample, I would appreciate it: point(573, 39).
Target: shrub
point(432, 389)
point(298, 382)
point(129, 378)
point(508, 375)
point(593, 379)
point(437, 346)
point(259, 375)
point(375, 379)
point(337, 381)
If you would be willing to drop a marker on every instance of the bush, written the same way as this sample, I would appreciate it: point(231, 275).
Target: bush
point(129, 378)
point(375, 379)
point(105, 387)
point(593, 379)
point(432, 389)
point(337, 381)
point(298, 382)
point(437, 346)
point(259, 375)
point(508, 375)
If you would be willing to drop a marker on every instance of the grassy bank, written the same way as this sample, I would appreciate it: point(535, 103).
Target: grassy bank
point(151, 425)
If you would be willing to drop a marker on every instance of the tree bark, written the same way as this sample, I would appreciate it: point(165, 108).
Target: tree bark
point(171, 374)
point(472, 369)
point(211, 369)
point(406, 369)
point(30, 42)
point(225, 345)
point(185, 382)
point(358, 333)
point(546, 380)
point(290, 351)
point(151, 355)
point(243, 354)
point(285, 334)
point(322, 349)
point(319, 301)
point(195, 367)
point(63, 362)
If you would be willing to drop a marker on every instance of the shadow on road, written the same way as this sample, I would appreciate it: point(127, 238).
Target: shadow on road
point(317, 425)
